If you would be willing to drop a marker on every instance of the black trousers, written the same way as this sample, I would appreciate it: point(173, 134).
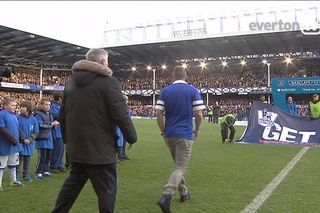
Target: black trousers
point(215, 118)
point(103, 179)
point(209, 118)
point(44, 156)
point(67, 164)
point(224, 132)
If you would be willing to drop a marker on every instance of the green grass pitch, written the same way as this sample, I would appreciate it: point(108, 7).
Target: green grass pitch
point(220, 178)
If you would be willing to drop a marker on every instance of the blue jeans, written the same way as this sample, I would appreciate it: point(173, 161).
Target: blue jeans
point(56, 160)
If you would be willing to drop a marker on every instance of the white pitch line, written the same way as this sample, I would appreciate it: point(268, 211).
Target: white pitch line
point(266, 192)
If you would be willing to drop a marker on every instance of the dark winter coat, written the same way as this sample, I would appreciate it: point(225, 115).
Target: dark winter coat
point(92, 107)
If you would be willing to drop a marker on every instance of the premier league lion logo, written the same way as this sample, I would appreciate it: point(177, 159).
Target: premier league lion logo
point(266, 118)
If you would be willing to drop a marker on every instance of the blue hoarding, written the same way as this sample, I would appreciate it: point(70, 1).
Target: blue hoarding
point(283, 86)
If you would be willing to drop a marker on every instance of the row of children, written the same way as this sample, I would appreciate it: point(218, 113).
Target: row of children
point(21, 134)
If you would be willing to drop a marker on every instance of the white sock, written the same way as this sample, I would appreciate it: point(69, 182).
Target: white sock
point(12, 173)
point(1, 175)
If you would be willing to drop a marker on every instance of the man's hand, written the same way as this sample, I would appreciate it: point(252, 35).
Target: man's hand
point(196, 134)
point(130, 146)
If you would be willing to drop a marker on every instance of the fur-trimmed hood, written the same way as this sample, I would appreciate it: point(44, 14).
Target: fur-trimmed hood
point(84, 71)
point(92, 67)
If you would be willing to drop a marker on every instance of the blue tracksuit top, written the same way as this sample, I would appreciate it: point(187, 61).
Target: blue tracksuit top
point(55, 108)
point(10, 122)
point(28, 125)
point(121, 140)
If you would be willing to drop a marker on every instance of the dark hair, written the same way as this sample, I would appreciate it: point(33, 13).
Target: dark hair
point(28, 105)
point(44, 100)
point(57, 96)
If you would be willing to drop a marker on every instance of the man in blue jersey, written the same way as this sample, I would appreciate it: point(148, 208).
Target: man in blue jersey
point(178, 102)
point(9, 141)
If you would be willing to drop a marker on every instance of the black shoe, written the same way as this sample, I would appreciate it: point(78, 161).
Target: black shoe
point(55, 171)
point(67, 166)
point(185, 197)
point(61, 169)
point(164, 202)
point(125, 158)
point(231, 141)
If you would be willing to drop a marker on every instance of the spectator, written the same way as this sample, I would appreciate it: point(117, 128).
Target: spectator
point(291, 106)
point(216, 112)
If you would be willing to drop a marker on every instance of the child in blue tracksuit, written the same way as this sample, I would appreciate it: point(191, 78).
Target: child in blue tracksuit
point(9, 141)
point(56, 161)
point(44, 140)
point(122, 144)
point(29, 125)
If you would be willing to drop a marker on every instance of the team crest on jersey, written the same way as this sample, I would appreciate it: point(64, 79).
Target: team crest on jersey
point(266, 118)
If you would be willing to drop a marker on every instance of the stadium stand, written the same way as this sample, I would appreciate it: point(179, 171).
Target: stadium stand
point(29, 54)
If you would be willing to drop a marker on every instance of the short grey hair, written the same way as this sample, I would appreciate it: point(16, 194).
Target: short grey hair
point(96, 55)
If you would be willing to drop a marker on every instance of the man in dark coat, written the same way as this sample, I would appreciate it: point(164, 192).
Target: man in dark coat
point(216, 112)
point(92, 107)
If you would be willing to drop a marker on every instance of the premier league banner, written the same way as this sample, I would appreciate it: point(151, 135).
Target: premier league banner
point(270, 125)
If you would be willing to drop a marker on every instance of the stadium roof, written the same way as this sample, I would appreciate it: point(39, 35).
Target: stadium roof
point(25, 49)
point(265, 45)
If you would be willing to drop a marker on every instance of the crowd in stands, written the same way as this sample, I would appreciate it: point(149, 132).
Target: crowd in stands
point(143, 106)
point(249, 75)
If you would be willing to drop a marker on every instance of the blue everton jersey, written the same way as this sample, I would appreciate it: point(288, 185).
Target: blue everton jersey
point(10, 122)
point(179, 100)
point(29, 126)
